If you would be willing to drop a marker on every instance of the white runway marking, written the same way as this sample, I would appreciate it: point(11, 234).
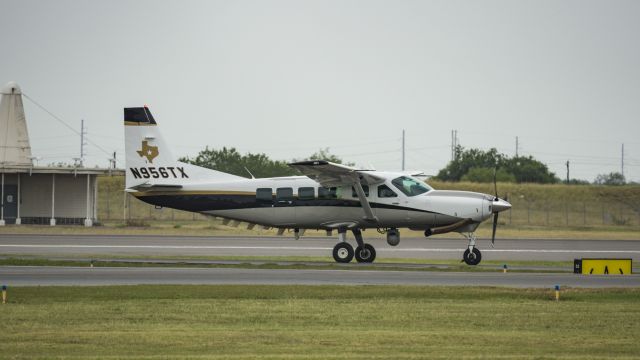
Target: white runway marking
point(197, 247)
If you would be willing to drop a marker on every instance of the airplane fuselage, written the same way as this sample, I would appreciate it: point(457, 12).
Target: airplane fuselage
point(300, 202)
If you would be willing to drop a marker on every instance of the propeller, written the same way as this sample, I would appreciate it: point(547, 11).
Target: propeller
point(496, 213)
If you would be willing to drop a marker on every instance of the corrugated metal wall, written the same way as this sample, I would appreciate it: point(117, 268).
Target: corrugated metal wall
point(71, 195)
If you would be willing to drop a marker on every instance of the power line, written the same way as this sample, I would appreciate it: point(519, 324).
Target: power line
point(454, 144)
point(65, 124)
point(622, 161)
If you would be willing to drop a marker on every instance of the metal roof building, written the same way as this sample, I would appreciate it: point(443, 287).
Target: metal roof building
point(34, 194)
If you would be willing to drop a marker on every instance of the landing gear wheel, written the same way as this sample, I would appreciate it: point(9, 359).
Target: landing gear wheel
point(472, 258)
point(343, 252)
point(366, 253)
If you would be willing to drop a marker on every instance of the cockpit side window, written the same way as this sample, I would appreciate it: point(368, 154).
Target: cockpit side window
point(409, 186)
point(385, 192)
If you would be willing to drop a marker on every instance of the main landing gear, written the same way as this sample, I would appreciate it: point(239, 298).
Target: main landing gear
point(343, 252)
point(472, 255)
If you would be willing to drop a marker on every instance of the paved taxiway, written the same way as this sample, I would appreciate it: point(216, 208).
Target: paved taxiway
point(57, 246)
point(418, 248)
point(35, 275)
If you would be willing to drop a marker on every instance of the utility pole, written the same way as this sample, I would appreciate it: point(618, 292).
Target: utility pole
point(83, 133)
point(454, 144)
point(402, 149)
point(516, 146)
point(567, 171)
point(622, 161)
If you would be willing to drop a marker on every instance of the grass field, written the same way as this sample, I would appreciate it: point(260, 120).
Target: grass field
point(318, 322)
point(291, 263)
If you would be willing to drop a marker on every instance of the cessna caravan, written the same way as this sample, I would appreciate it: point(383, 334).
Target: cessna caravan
point(328, 197)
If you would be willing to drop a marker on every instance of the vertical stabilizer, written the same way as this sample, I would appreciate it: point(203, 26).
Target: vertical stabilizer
point(149, 160)
point(15, 149)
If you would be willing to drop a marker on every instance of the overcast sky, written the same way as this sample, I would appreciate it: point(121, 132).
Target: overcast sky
point(289, 77)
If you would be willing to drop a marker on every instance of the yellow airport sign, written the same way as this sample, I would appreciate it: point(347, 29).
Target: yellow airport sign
point(602, 266)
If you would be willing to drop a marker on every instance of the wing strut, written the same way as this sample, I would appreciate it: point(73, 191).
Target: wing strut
point(366, 207)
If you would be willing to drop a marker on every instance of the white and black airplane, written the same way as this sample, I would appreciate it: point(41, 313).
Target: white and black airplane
point(330, 196)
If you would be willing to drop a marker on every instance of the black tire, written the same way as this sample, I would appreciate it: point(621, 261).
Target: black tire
point(472, 258)
point(343, 252)
point(365, 254)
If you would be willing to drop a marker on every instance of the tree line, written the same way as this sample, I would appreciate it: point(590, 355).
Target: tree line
point(231, 161)
point(472, 165)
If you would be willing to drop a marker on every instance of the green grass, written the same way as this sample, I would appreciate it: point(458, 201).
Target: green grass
point(273, 259)
point(317, 322)
point(268, 263)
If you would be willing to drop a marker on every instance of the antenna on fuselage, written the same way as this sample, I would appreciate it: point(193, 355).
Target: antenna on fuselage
point(253, 177)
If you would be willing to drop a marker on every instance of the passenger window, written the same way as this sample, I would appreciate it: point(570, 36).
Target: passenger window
point(264, 194)
point(327, 193)
point(385, 192)
point(284, 194)
point(306, 193)
point(364, 187)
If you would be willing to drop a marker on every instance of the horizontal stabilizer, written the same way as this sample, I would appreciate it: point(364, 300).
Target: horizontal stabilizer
point(156, 187)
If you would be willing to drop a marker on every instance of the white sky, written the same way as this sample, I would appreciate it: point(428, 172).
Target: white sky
point(289, 77)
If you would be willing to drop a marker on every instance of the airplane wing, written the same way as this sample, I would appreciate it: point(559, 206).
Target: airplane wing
point(329, 174)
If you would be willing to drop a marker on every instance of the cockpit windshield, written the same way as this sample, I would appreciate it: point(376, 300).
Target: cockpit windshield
point(409, 186)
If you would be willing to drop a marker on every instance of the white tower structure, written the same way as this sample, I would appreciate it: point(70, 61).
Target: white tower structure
point(15, 149)
point(33, 194)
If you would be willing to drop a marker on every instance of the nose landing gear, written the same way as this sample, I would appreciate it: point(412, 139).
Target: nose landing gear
point(471, 256)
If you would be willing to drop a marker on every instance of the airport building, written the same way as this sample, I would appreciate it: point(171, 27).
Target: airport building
point(40, 194)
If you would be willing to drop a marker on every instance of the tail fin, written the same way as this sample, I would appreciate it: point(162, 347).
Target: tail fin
point(150, 162)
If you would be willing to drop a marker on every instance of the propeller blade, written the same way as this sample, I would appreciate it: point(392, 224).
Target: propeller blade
point(495, 225)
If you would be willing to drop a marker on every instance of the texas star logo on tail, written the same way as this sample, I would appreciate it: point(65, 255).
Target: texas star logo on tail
point(146, 172)
point(148, 151)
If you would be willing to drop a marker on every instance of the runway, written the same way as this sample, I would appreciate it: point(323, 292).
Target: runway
point(417, 248)
point(83, 276)
point(56, 246)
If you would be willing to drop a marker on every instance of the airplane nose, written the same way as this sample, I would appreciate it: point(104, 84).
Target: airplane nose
point(500, 205)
